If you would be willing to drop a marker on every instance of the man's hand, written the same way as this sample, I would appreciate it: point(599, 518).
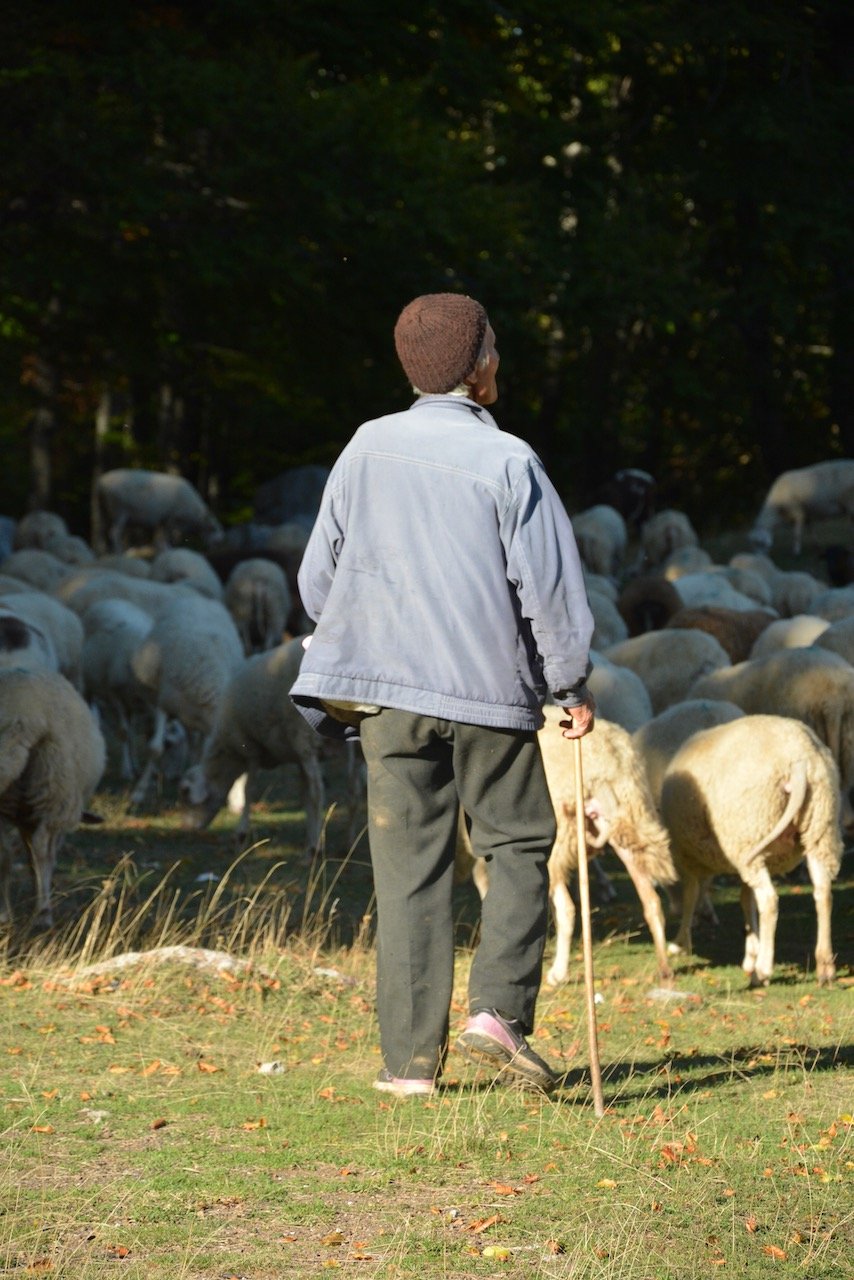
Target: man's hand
point(581, 718)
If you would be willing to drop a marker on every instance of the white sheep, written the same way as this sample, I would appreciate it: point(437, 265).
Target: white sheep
point(258, 597)
point(609, 628)
point(619, 812)
point(669, 661)
point(811, 685)
point(167, 505)
point(84, 587)
point(185, 662)
point(835, 603)
point(660, 738)
point(24, 646)
point(70, 549)
point(180, 564)
point(821, 491)
point(10, 586)
point(713, 586)
point(39, 568)
point(59, 623)
point(838, 638)
point(51, 761)
point(754, 798)
point(685, 560)
point(258, 727)
point(114, 630)
point(125, 562)
point(601, 538)
point(37, 529)
point(621, 696)
point(789, 633)
point(665, 533)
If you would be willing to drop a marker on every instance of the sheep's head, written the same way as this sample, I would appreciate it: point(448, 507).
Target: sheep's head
point(201, 804)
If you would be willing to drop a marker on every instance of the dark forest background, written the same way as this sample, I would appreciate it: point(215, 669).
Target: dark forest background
point(212, 213)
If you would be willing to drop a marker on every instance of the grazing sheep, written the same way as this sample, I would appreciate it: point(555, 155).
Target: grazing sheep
point(619, 812)
point(70, 549)
point(735, 629)
point(601, 538)
point(685, 560)
point(24, 646)
point(712, 586)
point(754, 798)
point(663, 534)
point(86, 586)
point(37, 529)
point(647, 601)
point(258, 597)
point(51, 761)
point(114, 630)
point(838, 637)
point(13, 586)
point(820, 491)
point(180, 564)
point(835, 604)
point(257, 727)
point(605, 586)
point(185, 662)
point(661, 737)
point(39, 568)
point(788, 633)
point(61, 625)
point(621, 696)
point(669, 661)
point(811, 685)
point(609, 627)
point(125, 562)
point(166, 505)
point(225, 562)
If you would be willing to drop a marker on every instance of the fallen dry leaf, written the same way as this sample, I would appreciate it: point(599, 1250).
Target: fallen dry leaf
point(751, 1225)
point(773, 1251)
point(483, 1224)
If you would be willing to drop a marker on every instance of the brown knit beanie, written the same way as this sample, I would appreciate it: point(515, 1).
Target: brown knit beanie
point(438, 338)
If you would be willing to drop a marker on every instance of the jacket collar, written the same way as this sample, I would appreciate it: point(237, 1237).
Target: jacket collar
point(461, 403)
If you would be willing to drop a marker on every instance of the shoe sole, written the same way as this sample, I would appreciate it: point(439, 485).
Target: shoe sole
point(482, 1048)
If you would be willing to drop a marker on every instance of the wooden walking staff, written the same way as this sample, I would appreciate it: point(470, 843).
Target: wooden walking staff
point(587, 935)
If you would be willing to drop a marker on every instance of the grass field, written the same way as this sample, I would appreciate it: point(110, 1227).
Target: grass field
point(143, 1139)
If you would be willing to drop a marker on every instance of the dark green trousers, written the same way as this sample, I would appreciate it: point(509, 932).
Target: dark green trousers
point(420, 771)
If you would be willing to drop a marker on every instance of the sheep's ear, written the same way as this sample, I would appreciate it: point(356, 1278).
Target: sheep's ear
point(90, 819)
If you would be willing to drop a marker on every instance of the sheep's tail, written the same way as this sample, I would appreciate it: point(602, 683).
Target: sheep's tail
point(797, 796)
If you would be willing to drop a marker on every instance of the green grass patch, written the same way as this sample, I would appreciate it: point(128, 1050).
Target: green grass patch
point(141, 1139)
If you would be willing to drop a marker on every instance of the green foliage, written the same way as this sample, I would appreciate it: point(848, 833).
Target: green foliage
point(232, 202)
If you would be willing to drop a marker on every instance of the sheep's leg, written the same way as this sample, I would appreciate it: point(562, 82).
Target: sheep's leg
point(751, 929)
point(236, 798)
point(766, 904)
point(5, 873)
point(117, 534)
point(480, 876)
point(314, 799)
point(244, 790)
point(821, 887)
point(564, 916)
point(690, 894)
point(43, 847)
point(155, 754)
point(652, 911)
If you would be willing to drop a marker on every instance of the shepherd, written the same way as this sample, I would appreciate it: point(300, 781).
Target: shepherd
point(446, 585)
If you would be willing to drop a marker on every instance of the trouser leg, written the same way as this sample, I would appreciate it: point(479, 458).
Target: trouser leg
point(412, 817)
point(503, 790)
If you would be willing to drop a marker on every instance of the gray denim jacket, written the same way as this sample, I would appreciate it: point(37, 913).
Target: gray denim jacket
point(443, 575)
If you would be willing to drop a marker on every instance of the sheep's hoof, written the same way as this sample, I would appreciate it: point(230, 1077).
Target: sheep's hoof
point(759, 980)
point(554, 978)
point(827, 976)
point(676, 949)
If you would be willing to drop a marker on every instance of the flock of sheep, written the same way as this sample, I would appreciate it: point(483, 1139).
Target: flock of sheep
point(725, 730)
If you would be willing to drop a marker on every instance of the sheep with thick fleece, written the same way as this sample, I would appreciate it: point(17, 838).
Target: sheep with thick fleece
point(665, 533)
point(61, 624)
point(166, 505)
point(735, 629)
point(257, 727)
point(713, 586)
point(180, 564)
point(788, 633)
point(661, 737)
point(86, 586)
point(114, 630)
point(608, 625)
point(185, 662)
point(71, 549)
point(669, 661)
point(835, 604)
point(24, 646)
point(601, 538)
point(647, 601)
point(621, 696)
point(754, 798)
point(838, 638)
point(51, 761)
point(818, 492)
point(811, 685)
point(258, 597)
point(39, 568)
point(685, 560)
point(37, 529)
point(619, 812)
